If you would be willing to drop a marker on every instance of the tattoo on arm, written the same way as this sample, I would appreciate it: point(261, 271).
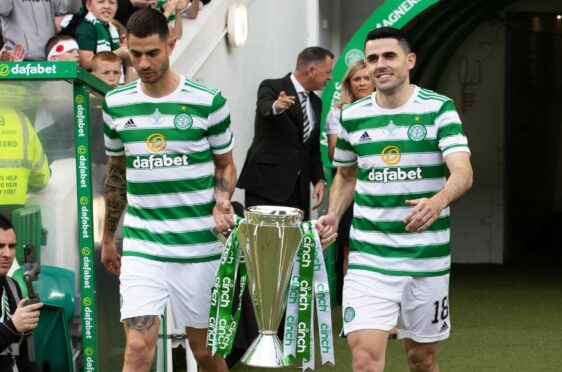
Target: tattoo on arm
point(222, 184)
point(140, 323)
point(115, 193)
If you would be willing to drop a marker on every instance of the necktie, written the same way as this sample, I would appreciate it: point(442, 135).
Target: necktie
point(5, 307)
point(305, 121)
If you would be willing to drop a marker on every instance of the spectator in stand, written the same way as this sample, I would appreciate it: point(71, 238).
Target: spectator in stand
point(62, 48)
point(106, 66)
point(96, 33)
point(32, 23)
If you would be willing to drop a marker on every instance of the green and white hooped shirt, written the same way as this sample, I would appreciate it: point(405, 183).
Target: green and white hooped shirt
point(169, 145)
point(399, 154)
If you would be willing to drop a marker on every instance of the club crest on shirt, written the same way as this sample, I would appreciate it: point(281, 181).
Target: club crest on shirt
point(183, 121)
point(417, 132)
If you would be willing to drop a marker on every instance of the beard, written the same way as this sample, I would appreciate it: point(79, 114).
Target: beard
point(150, 76)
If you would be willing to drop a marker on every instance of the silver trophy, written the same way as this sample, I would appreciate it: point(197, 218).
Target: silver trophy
point(270, 237)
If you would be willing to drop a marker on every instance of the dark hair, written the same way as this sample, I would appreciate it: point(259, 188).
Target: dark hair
point(54, 40)
point(312, 55)
point(5, 223)
point(146, 22)
point(389, 33)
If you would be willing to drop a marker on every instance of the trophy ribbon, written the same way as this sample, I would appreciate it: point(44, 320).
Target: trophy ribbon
point(309, 282)
point(222, 324)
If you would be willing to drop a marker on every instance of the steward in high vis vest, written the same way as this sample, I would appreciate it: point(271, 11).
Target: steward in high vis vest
point(22, 159)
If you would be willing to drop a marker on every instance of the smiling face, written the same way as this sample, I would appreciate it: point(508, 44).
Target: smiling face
point(389, 65)
point(360, 84)
point(103, 10)
point(7, 250)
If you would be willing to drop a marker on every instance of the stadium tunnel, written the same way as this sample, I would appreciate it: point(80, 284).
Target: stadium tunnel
point(532, 95)
point(500, 61)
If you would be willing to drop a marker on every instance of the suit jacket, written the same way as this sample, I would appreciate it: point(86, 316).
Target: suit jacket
point(278, 155)
point(9, 334)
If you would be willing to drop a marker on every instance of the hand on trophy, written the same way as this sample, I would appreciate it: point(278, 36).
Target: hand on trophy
point(223, 215)
point(327, 227)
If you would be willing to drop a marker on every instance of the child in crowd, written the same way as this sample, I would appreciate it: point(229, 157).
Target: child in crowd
point(62, 48)
point(106, 66)
point(96, 33)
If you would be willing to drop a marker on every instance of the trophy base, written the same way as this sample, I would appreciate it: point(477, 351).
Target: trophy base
point(266, 351)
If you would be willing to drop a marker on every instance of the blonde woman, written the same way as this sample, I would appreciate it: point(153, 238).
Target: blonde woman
point(356, 84)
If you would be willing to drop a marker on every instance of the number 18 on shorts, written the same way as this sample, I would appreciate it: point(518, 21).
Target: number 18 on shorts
point(418, 306)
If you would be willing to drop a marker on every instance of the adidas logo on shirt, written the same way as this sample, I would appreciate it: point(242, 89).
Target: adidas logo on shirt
point(130, 124)
point(444, 327)
point(364, 137)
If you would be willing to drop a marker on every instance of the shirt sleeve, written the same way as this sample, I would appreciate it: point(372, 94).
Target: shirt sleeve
point(344, 154)
point(86, 36)
point(450, 135)
point(113, 144)
point(333, 121)
point(220, 136)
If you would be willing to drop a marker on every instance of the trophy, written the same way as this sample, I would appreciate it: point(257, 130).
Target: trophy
point(270, 237)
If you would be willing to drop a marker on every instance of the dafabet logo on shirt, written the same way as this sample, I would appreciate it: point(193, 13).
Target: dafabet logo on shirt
point(156, 142)
point(160, 161)
point(391, 155)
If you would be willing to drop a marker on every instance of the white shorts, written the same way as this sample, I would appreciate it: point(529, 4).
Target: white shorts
point(147, 284)
point(418, 306)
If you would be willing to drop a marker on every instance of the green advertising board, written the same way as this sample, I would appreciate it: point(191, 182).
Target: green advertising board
point(391, 13)
point(38, 70)
point(83, 85)
point(85, 218)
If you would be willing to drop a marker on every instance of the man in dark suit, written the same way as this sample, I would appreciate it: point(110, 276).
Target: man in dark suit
point(17, 321)
point(284, 158)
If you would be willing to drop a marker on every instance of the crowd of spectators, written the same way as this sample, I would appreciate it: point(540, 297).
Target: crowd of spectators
point(91, 33)
point(30, 30)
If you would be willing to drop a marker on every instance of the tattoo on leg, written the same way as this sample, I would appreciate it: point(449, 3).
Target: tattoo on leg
point(140, 323)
